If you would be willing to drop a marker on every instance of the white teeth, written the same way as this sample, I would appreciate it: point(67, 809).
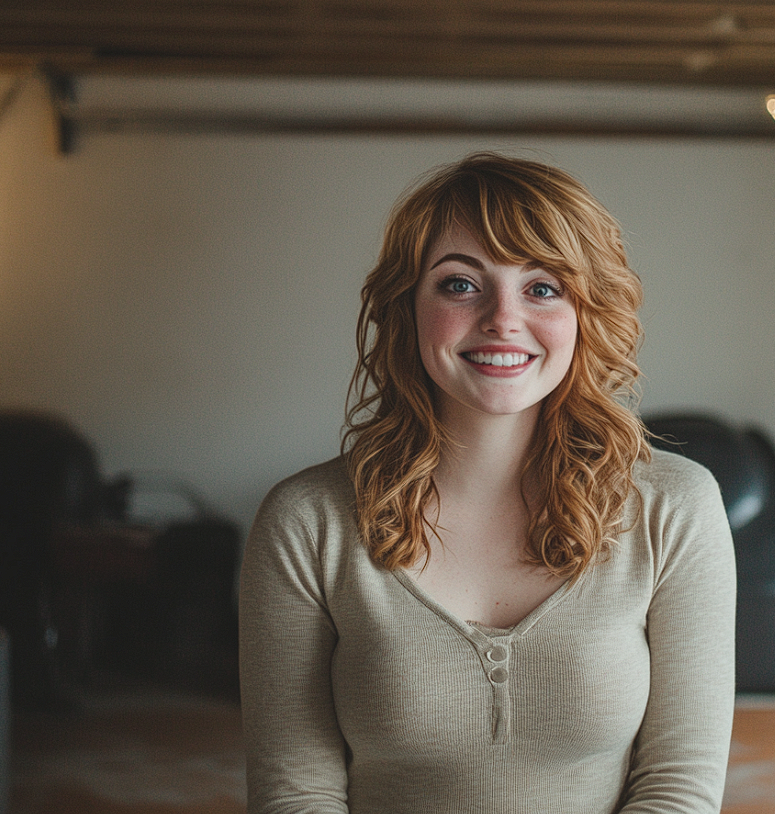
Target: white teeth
point(499, 359)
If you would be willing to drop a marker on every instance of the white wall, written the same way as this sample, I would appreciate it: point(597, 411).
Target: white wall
point(190, 301)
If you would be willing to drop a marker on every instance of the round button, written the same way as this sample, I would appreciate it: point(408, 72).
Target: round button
point(499, 675)
point(498, 653)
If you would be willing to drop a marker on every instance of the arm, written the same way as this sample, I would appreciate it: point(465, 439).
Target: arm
point(680, 758)
point(295, 751)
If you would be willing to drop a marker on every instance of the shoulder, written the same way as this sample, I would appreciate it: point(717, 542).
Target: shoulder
point(678, 499)
point(316, 496)
point(669, 476)
point(681, 512)
point(303, 529)
point(325, 481)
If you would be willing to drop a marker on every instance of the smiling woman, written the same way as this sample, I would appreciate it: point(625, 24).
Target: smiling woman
point(498, 598)
point(479, 320)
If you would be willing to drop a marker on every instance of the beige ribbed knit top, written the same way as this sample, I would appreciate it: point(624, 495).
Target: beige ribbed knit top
point(362, 694)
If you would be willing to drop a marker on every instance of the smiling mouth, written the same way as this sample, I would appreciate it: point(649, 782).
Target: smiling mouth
point(498, 359)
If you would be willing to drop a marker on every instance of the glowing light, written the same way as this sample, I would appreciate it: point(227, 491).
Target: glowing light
point(699, 61)
point(771, 105)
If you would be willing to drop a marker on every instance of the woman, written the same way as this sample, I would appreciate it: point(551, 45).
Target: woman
point(498, 599)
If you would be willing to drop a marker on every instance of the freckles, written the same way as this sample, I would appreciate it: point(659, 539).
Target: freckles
point(559, 327)
point(436, 323)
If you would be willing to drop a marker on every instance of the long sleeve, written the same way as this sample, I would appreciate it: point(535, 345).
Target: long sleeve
point(295, 751)
point(680, 757)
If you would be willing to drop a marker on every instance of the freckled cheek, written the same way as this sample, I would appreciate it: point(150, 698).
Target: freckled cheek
point(438, 328)
point(558, 333)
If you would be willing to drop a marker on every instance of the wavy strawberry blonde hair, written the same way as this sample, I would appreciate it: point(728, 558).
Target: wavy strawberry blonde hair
point(587, 438)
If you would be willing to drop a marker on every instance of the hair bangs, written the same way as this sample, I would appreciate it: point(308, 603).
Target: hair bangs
point(514, 223)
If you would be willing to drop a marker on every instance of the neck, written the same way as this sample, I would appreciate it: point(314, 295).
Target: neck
point(489, 452)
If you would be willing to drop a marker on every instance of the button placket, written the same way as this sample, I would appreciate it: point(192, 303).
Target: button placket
point(498, 656)
point(494, 656)
point(496, 663)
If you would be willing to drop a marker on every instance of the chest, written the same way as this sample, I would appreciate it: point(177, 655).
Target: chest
point(419, 676)
point(477, 571)
point(494, 592)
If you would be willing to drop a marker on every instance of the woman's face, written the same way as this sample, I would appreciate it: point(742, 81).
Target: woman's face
point(494, 338)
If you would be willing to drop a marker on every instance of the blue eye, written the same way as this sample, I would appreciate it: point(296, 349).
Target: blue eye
point(544, 291)
point(458, 285)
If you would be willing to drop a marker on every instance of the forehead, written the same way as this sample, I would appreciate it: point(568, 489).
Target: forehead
point(460, 241)
point(456, 238)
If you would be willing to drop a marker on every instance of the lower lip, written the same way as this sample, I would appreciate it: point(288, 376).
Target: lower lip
point(500, 372)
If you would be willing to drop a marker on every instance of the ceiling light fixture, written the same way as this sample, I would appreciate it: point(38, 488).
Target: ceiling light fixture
point(771, 105)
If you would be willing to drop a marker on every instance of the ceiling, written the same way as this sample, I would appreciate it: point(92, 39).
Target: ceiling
point(686, 42)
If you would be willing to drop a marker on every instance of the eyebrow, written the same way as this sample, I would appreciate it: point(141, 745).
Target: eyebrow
point(461, 258)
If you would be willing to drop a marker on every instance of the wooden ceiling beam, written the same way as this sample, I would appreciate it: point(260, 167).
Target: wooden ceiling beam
point(417, 49)
point(563, 18)
point(619, 40)
point(74, 32)
point(350, 66)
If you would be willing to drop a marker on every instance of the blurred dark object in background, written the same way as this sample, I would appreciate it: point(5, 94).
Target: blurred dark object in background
point(84, 583)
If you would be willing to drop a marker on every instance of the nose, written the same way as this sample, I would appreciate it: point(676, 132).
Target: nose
point(503, 314)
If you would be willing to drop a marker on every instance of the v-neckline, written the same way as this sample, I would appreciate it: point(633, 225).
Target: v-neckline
point(520, 629)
